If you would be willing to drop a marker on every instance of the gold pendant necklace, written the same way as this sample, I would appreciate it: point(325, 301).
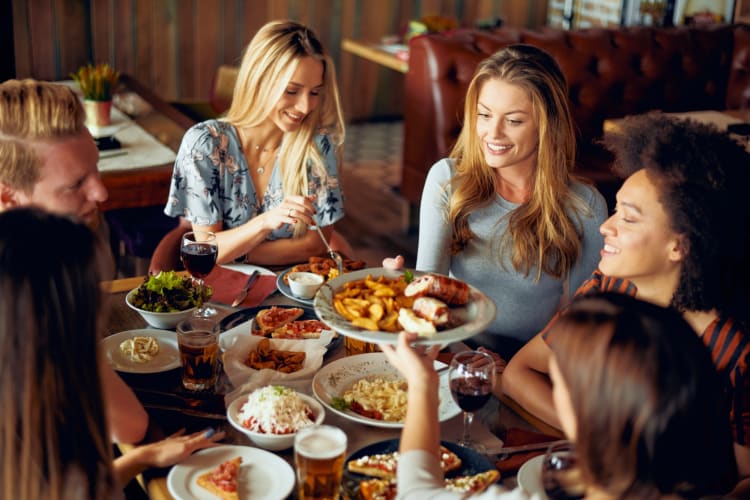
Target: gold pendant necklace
point(262, 168)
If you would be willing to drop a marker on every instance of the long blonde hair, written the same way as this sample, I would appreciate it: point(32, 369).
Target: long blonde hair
point(32, 111)
point(540, 232)
point(268, 65)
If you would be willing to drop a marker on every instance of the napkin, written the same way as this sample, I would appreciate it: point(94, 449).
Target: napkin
point(239, 345)
point(516, 437)
point(227, 283)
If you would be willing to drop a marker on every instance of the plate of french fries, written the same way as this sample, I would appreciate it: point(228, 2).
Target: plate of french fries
point(366, 305)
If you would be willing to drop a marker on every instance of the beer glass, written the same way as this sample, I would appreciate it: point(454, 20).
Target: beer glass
point(319, 453)
point(198, 341)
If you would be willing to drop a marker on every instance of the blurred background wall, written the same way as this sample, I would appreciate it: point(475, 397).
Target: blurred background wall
point(175, 46)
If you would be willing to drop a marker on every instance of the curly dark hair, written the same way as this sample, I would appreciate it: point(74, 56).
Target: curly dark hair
point(703, 176)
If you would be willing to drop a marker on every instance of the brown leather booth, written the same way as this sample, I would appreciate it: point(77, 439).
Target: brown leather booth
point(611, 73)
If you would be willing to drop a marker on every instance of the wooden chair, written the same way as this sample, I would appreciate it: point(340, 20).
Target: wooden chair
point(219, 98)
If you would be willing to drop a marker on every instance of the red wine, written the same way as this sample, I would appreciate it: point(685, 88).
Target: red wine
point(471, 393)
point(199, 258)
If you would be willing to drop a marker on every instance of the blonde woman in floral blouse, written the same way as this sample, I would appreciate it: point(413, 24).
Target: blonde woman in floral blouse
point(265, 173)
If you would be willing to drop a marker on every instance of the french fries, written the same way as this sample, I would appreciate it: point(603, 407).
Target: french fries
point(373, 303)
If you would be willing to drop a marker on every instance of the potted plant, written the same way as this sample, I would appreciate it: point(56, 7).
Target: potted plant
point(97, 84)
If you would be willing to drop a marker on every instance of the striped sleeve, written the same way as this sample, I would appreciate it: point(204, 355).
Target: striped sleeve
point(597, 283)
point(730, 351)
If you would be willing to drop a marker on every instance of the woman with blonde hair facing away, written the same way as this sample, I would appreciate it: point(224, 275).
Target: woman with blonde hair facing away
point(265, 173)
point(679, 237)
point(503, 212)
point(637, 395)
point(54, 433)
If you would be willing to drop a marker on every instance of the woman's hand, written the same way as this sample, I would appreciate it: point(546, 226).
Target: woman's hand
point(394, 263)
point(290, 211)
point(415, 363)
point(178, 447)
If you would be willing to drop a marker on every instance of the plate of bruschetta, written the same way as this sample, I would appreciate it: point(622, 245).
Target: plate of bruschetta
point(374, 304)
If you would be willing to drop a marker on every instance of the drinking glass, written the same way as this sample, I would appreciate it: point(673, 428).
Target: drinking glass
point(561, 476)
point(319, 453)
point(472, 378)
point(198, 253)
point(198, 342)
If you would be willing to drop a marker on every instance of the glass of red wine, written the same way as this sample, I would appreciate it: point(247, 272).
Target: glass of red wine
point(472, 378)
point(561, 475)
point(198, 253)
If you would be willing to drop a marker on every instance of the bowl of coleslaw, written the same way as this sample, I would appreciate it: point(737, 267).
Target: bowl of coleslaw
point(271, 416)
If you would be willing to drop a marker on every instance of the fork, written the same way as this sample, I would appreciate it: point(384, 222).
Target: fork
point(333, 253)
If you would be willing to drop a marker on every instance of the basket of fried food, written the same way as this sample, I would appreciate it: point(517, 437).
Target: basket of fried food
point(261, 360)
point(325, 267)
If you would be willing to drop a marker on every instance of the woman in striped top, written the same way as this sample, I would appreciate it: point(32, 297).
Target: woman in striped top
point(679, 237)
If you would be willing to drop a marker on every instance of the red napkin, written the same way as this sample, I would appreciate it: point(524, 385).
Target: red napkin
point(228, 283)
point(517, 437)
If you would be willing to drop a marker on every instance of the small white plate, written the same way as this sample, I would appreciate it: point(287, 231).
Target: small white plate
point(168, 357)
point(334, 378)
point(263, 475)
point(530, 477)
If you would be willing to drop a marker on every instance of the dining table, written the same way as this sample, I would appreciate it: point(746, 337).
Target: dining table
point(137, 171)
point(171, 408)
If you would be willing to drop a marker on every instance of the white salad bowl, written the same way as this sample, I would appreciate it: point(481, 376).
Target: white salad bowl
point(272, 442)
point(163, 320)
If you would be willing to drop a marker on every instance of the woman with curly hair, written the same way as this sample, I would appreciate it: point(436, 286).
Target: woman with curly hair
point(267, 171)
point(679, 237)
point(504, 212)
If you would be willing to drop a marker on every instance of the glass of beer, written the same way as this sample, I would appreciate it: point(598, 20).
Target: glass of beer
point(319, 452)
point(198, 341)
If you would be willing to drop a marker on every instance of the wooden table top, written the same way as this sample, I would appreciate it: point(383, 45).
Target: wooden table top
point(500, 414)
point(375, 53)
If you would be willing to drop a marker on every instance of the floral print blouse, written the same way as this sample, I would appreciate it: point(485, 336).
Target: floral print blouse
point(211, 182)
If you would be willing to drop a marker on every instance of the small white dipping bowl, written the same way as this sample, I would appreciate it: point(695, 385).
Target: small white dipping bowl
point(165, 320)
point(272, 442)
point(304, 285)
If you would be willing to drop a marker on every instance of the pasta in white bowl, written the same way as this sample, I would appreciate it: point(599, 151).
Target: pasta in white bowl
point(370, 381)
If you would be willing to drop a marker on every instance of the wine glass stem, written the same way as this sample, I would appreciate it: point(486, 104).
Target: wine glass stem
point(468, 419)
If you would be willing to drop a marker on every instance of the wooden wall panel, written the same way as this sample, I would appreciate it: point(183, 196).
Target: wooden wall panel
point(175, 46)
point(22, 39)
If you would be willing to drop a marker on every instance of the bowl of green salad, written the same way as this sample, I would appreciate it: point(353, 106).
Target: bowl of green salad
point(165, 299)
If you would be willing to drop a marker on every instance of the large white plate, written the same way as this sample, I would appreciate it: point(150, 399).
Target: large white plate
point(530, 477)
point(473, 318)
point(263, 475)
point(167, 359)
point(333, 379)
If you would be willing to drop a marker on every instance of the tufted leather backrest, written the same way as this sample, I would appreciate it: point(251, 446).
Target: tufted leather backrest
point(610, 73)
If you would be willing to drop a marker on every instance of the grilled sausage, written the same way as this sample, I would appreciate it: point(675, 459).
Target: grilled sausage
point(449, 290)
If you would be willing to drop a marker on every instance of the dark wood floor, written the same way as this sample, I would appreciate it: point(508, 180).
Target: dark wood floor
point(376, 222)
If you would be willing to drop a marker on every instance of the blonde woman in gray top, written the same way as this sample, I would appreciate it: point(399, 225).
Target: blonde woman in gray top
point(504, 212)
